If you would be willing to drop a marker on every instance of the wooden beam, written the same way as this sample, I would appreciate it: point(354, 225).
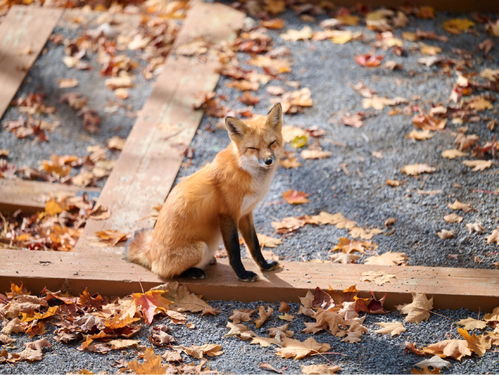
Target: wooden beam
point(475, 289)
point(30, 196)
point(153, 152)
point(23, 34)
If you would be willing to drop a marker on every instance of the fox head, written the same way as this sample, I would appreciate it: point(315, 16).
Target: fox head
point(257, 141)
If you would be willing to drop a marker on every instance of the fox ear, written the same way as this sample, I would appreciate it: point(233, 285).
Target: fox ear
point(274, 117)
point(235, 127)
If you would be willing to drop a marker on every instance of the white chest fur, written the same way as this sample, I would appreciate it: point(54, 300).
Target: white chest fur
point(260, 187)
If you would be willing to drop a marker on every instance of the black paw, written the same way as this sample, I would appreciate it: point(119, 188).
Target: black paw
point(270, 266)
point(194, 273)
point(248, 276)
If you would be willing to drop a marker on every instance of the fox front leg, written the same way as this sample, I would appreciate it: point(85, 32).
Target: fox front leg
point(230, 237)
point(248, 231)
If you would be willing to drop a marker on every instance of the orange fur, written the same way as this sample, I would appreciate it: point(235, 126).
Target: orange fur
point(187, 232)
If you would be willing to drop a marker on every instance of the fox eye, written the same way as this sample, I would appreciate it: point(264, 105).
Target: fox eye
point(252, 148)
point(273, 143)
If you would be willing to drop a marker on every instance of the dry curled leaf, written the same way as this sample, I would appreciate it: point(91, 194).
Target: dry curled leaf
point(418, 310)
point(388, 259)
point(320, 369)
point(263, 315)
point(297, 349)
point(390, 328)
point(453, 218)
point(378, 277)
point(417, 169)
point(111, 236)
point(150, 365)
point(445, 234)
point(478, 165)
point(452, 154)
point(494, 237)
point(199, 351)
point(457, 205)
point(295, 197)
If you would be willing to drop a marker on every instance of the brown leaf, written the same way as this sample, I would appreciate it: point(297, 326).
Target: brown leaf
point(457, 205)
point(494, 236)
point(288, 224)
point(267, 241)
point(295, 197)
point(478, 165)
point(269, 367)
point(471, 323)
point(320, 369)
point(160, 335)
point(422, 135)
point(150, 303)
point(453, 218)
point(445, 234)
point(111, 236)
point(355, 121)
point(456, 349)
point(457, 25)
point(263, 315)
point(296, 349)
point(418, 310)
point(150, 365)
point(368, 60)
point(199, 351)
point(388, 259)
point(314, 154)
point(348, 245)
point(452, 154)
point(378, 277)
point(116, 143)
point(417, 169)
point(239, 316)
point(392, 328)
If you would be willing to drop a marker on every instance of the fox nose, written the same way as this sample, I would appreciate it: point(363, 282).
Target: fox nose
point(268, 161)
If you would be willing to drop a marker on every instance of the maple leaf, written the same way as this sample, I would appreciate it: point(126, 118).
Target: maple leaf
point(445, 234)
point(457, 205)
point(420, 135)
point(296, 349)
point(378, 277)
point(393, 183)
point(344, 258)
point(457, 25)
point(478, 165)
point(475, 227)
point(453, 218)
point(51, 311)
point(368, 60)
point(347, 245)
point(388, 259)
point(150, 303)
point(493, 316)
point(199, 351)
point(494, 236)
point(314, 154)
point(267, 241)
point(288, 224)
point(295, 197)
point(456, 349)
point(263, 341)
point(239, 330)
point(280, 332)
point(425, 370)
point(294, 35)
point(452, 154)
point(478, 344)
point(392, 328)
point(417, 169)
point(184, 300)
point(320, 369)
point(150, 365)
point(269, 367)
point(429, 50)
point(111, 236)
point(239, 316)
point(418, 310)
point(160, 335)
point(263, 315)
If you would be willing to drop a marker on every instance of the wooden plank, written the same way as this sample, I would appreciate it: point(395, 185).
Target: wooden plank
point(30, 196)
point(153, 152)
point(475, 289)
point(23, 34)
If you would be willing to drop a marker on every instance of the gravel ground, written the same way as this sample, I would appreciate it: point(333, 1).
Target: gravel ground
point(328, 70)
point(376, 353)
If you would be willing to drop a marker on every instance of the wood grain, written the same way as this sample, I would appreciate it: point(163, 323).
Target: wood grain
point(475, 289)
point(23, 34)
point(30, 196)
point(154, 150)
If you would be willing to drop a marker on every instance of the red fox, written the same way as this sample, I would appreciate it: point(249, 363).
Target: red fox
point(214, 203)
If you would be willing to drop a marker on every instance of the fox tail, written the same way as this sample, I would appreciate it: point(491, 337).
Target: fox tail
point(138, 247)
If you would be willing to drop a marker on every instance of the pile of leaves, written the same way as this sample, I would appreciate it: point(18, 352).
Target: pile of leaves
point(57, 227)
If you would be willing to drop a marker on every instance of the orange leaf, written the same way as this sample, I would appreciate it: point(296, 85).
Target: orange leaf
point(151, 301)
point(151, 365)
point(37, 316)
point(368, 60)
point(295, 197)
point(53, 208)
point(111, 236)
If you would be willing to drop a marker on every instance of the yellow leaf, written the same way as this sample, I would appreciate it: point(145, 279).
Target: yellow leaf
point(51, 311)
point(151, 365)
point(458, 25)
point(53, 208)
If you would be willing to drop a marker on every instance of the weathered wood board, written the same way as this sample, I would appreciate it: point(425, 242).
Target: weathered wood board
point(23, 34)
point(475, 289)
point(151, 158)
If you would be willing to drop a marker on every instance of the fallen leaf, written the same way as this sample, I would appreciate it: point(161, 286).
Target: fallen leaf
point(269, 367)
point(429, 50)
point(453, 218)
point(457, 205)
point(294, 35)
point(344, 258)
point(314, 154)
point(378, 277)
point(239, 316)
point(348, 245)
point(199, 351)
point(479, 103)
point(435, 362)
point(478, 165)
point(393, 328)
point(116, 143)
point(150, 303)
point(111, 236)
point(368, 60)
point(320, 369)
point(355, 121)
point(267, 241)
point(263, 341)
point(387, 259)
point(393, 183)
point(458, 25)
point(150, 365)
point(452, 154)
point(295, 197)
point(422, 135)
point(471, 323)
point(456, 349)
point(65, 83)
point(417, 169)
point(418, 310)
point(296, 349)
point(445, 234)
point(160, 335)
point(263, 315)
point(475, 227)
point(288, 224)
point(494, 237)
